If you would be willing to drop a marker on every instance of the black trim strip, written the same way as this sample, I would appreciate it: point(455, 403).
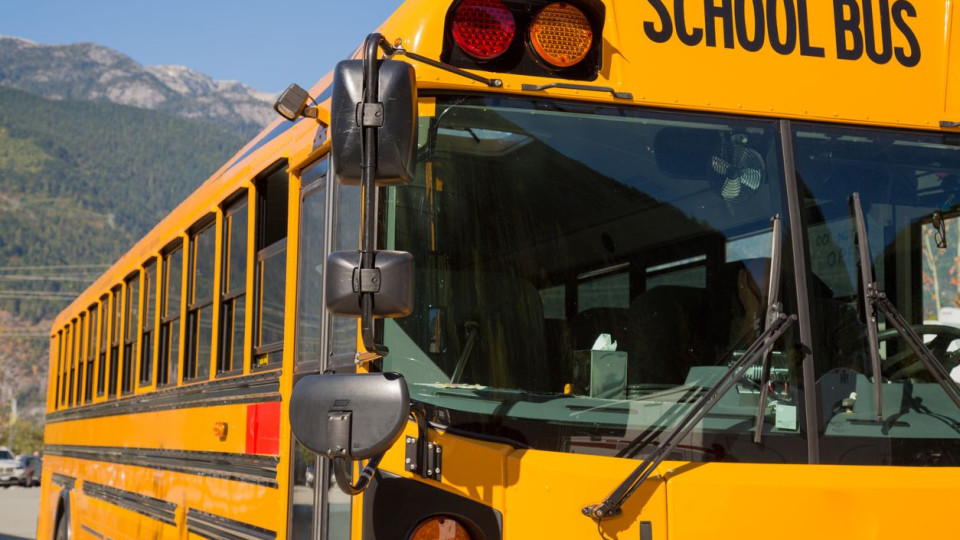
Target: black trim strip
point(249, 468)
point(801, 271)
point(151, 507)
point(90, 531)
point(220, 528)
point(63, 480)
point(259, 388)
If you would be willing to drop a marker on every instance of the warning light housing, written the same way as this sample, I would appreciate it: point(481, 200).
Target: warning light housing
point(543, 38)
point(561, 35)
point(484, 29)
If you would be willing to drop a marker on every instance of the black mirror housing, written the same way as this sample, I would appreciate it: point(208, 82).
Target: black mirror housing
point(397, 129)
point(355, 415)
point(390, 281)
point(292, 102)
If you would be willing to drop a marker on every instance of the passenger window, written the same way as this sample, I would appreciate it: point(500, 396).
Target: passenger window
point(607, 291)
point(346, 237)
point(234, 287)
point(310, 272)
point(149, 320)
point(115, 321)
point(81, 358)
point(71, 369)
point(271, 266)
point(93, 324)
point(57, 402)
point(689, 272)
point(130, 332)
point(200, 295)
point(171, 288)
point(104, 345)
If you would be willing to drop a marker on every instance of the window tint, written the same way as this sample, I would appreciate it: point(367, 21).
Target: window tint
point(344, 329)
point(116, 322)
point(169, 354)
point(310, 272)
point(104, 345)
point(233, 291)
point(131, 333)
point(149, 320)
point(200, 304)
point(271, 264)
point(93, 326)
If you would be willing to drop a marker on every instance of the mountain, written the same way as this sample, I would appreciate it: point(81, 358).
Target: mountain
point(90, 72)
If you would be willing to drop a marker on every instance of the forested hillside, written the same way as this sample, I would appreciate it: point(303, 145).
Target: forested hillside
point(80, 181)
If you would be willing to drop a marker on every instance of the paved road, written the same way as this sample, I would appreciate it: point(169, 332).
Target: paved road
point(18, 513)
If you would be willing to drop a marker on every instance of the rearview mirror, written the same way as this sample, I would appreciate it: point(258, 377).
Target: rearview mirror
point(354, 416)
point(292, 102)
point(390, 282)
point(394, 115)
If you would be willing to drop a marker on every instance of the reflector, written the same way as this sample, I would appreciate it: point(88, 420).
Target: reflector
point(483, 29)
point(561, 35)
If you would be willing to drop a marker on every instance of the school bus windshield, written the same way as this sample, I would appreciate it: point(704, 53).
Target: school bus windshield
point(586, 271)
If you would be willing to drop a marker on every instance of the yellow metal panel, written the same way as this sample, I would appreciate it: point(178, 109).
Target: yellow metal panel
point(812, 501)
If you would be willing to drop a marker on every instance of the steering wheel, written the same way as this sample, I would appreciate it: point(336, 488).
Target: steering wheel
point(904, 364)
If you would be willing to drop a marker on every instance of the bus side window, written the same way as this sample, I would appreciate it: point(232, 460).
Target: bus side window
point(102, 365)
point(169, 356)
point(200, 293)
point(61, 383)
point(131, 316)
point(81, 358)
point(116, 321)
point(92, 332)
point(149, 320)
point(270, 269)
point(233, 289)
point(310, 311)
point(71, 357)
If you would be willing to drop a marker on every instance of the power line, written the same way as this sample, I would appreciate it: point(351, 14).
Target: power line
point(55, 267)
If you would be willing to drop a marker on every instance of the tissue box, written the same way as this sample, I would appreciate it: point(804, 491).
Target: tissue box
point(601, 374)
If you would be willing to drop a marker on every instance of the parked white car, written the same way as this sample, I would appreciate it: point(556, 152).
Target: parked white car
point(11, 471)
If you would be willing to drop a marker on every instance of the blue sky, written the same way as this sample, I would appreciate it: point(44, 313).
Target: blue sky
point(267, 45)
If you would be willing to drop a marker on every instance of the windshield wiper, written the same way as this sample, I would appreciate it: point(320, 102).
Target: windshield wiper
point(777, 324)
point(874, 299)
point(612, 504)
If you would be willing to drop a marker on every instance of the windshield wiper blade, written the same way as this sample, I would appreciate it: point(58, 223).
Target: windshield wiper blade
point(874, 299)
point(916, 344)
point(611, 506)
point(868, 291)
point(774, 309)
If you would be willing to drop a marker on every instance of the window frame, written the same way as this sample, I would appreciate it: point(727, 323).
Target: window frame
point(93, 329)
point(228, 299)
point(103, 348)
point(149, 304)
point(263, 253)
point(194, 308)
point(130, 336)
point(171, 365)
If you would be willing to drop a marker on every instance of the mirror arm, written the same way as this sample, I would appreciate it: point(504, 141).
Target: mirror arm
point(371, 91)
point(340, 474)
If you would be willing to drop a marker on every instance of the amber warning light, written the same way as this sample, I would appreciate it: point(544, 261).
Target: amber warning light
point(561, 35)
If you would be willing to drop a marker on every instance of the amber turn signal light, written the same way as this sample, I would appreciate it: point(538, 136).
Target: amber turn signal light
point(440, 528)
point(561, 35)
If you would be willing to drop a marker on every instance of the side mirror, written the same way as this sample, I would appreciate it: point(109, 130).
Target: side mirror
point(353, 416)
point(394, 114)
point(292, 102)
point(390, 282)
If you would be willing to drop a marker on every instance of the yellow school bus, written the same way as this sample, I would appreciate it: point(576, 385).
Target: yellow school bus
point(535, 269)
